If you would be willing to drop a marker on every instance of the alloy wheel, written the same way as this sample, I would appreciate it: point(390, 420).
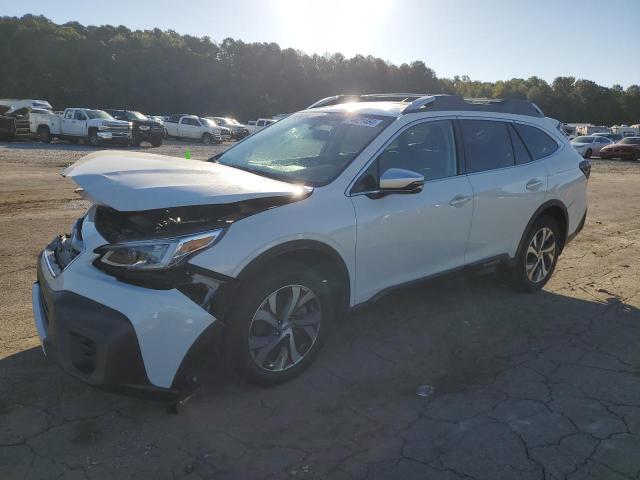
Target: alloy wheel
point(541, 254)
point(284, 328)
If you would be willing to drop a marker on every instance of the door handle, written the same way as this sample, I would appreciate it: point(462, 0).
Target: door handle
point(534, 184)
point(459, 200)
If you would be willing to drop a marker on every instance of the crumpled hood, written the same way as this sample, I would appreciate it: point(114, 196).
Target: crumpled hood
point(133, 181)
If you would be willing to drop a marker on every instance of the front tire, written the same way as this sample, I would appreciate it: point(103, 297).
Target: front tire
point(588, 153)
point(156, 140)
point(94, 141)
point(207, 139)
point(281, 324)
point(538, 257)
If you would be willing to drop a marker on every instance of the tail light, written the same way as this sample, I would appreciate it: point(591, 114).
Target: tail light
point(585, 166)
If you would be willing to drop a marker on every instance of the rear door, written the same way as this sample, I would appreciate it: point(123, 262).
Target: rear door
point(407, 236)
point(508, 182)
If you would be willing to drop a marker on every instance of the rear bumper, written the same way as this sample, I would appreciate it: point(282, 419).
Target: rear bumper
point(578, 229)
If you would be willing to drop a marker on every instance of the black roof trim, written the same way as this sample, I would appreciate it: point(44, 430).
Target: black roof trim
point(440, 102)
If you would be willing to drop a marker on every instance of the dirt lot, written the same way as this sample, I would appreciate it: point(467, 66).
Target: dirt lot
point(526, 386)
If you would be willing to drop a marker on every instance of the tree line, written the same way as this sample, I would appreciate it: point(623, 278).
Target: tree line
point(162, 72)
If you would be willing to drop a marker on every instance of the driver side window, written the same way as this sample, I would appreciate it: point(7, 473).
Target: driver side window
point(427, 148)
point(79, 115)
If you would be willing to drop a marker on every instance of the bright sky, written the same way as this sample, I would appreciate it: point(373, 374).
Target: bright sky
point(485, 39)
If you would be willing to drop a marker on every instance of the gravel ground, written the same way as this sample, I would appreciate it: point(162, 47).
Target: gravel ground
point(542, 386)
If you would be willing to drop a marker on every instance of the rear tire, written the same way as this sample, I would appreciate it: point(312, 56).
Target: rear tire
point(538, 257)
point(44, 134)
point(271, 341)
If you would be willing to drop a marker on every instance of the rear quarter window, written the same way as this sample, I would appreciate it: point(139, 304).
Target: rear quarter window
point(538, 143)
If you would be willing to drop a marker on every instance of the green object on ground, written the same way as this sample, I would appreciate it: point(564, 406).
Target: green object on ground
point(187, 154)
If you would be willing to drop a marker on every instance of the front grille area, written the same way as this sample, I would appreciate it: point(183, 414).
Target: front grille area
point(64, 249)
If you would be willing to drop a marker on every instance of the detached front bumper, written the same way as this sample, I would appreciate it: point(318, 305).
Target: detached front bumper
point(118, 336)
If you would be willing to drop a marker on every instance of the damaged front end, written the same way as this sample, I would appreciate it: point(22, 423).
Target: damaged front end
point(151, 248)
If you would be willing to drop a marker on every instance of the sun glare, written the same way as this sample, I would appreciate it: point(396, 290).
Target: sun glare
point(345, 26)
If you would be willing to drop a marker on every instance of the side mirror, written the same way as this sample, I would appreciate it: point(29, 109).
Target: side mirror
point(401, 180)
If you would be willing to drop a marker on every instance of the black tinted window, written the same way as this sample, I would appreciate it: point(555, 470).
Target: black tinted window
point(520, 151)
point(486, 144)
point(427, 148)
point(539, 143)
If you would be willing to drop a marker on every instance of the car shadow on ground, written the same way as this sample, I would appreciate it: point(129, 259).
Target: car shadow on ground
point(524, 385)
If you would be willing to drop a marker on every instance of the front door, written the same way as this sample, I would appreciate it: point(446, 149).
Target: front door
point(407, 236)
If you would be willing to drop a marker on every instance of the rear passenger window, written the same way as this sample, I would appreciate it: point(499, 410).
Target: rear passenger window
point(540, 144)
point(520, 151)
point(486, 144)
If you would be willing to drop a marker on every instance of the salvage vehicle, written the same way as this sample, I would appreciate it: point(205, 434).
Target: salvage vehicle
point(225, 133)
point(255, 125)
point(191, 126)
point(238, 131)
point(161, 121)
point(95, 126)
point(8, 125)
point(626, 149)
point(266, 246)
point(15, 103)
point(143, 129)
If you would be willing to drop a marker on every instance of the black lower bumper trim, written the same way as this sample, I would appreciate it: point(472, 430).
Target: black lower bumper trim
point(98, 345)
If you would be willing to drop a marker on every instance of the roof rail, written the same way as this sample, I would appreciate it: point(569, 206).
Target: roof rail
point(439, 102)
point(456, 102)
point(368, 97)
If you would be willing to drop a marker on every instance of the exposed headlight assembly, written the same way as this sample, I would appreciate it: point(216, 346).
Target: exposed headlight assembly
point(155, 254)
point(144, 127)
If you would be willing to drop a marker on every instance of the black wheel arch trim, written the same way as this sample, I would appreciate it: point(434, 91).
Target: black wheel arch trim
point(290, 247)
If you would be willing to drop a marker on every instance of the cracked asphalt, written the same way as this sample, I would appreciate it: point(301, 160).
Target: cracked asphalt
point(542, 386)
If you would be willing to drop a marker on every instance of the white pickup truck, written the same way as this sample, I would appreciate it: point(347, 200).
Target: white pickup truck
point(74, 124)
point(191, 126)
point(255, 125)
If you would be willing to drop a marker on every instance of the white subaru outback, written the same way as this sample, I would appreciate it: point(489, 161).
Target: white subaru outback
point(269, 242)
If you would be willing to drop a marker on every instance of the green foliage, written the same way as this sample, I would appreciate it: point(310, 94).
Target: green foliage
point(164, 72)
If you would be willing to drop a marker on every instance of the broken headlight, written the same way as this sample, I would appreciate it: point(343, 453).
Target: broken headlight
point(155, 254)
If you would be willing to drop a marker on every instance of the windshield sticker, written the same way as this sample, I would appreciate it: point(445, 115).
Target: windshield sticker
point(363, 121)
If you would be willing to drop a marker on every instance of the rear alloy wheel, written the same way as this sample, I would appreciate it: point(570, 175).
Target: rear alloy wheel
point(281, 324)
point(537, 260)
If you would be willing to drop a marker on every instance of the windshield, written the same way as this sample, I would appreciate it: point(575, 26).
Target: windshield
point(583, 140)
point(98, 114)
point(232, 121)
point(208, 122)
point(307, 147)
point(630, 141)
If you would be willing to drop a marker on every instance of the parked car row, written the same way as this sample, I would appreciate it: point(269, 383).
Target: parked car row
point(604, 146)
point(120, 126)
